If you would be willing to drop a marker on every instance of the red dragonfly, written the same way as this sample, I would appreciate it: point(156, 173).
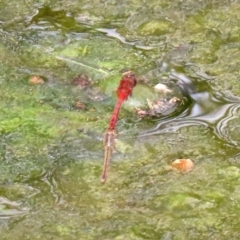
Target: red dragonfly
point(126, 85)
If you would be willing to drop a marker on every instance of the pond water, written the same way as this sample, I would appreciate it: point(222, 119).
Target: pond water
point(51, 132)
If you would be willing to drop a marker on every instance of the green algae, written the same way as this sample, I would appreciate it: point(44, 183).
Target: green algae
point(155, 27)
point(51, 153)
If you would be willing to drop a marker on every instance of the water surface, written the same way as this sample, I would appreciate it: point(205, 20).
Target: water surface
point(52, 153)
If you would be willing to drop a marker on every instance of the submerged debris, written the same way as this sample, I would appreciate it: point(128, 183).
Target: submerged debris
point(167, 102)
point(183, 165)
point(79, 105)
point(162, 88)
point(82, 81)
point(160, 107)
point(36, 80)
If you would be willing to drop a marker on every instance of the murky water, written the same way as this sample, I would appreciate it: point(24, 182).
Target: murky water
point(51, 134)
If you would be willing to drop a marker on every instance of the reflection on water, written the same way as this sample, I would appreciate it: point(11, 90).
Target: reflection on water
point(114, 34)
point(9, 209)
point(209, 109)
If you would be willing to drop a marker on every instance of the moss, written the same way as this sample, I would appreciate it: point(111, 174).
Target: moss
point(155, 27)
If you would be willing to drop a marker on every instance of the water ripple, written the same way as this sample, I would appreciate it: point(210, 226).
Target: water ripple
point(10, 209)
point(209, 109)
